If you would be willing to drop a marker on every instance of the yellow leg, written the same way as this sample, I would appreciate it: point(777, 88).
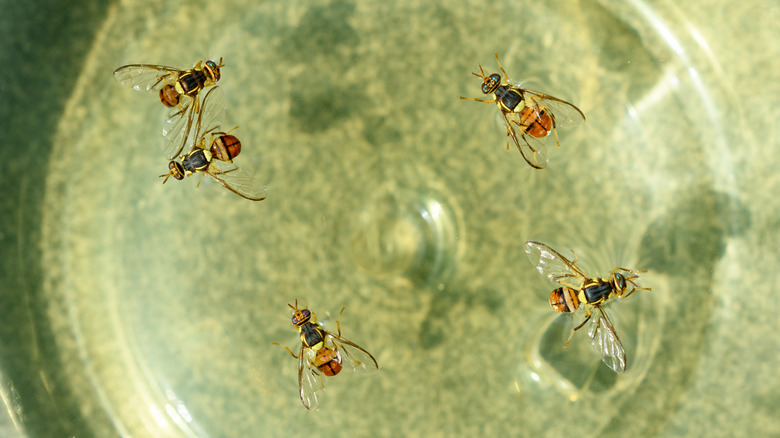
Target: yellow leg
point(338, 326)
point(506, 76)
point(288, 350)
point(634, 290)
point(577, 328)
point(479, 100)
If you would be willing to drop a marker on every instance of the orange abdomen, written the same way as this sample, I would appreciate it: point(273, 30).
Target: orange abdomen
point(226, 147)
point(564, 300)
point(328, 361)
point(535, 123)
point(169, 96)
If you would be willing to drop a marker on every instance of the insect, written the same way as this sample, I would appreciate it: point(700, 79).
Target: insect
point(179, 90)
point(579, 290)
point(213, 153)
point(532, 113)
point(323, 352)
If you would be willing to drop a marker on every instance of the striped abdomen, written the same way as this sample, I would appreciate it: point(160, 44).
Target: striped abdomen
point(328, 361)
point(535, 123)
point(169, 96)
point(225, 147)
point(564, 300)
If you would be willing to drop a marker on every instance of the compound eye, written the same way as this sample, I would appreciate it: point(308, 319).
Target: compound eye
point(620, 281)
point(212, 66)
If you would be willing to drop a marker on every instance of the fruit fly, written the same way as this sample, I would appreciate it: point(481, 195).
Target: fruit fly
point(179, 90)
point(579, 290)
point(213, 152)
point(532, 113)
point(323, 352)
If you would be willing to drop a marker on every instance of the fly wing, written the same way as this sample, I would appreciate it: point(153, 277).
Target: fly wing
point(565, 114)
point(605, 340)
point(237, 180)
point(357, 358)
point(554, 266)
point(532, 149)
point(309, 381)
point(205, 116)
point(212, 112)
point(145, 77)
point(177, 128)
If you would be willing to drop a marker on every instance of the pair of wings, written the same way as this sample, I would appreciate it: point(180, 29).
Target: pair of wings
point(533, 149)
point(352, 355)
point(601, 331)
point(148, 77)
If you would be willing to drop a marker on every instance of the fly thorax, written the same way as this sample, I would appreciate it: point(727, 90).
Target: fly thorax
point(501, 91)
point(596, 291)
point(312, 336)
point(510, 98)
point(197, 160)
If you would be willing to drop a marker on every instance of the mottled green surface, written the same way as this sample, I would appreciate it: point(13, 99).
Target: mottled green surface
point(159, 303)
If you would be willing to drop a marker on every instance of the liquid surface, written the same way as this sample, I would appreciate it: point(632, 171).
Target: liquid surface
point(392, 197)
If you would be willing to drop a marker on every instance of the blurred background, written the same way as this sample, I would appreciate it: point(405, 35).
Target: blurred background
point(132, 308)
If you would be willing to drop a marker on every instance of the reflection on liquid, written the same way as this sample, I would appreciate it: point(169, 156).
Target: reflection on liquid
point(13, 405)
point(408, 233)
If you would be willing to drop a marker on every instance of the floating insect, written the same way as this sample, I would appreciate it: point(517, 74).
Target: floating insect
point(213, 153)
point(579, 290)
point(179, 90)
point(533, 113)
point(323, 352)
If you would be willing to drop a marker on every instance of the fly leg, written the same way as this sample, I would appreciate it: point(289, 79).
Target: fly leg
point(338, 326)
point(634, 290)
point(506, 76)
point(479, 100)
point(288, 350)
point(577, 328)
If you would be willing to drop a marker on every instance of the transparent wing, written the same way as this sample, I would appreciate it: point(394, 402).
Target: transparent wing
point(605, 340)
point(532, 149)
point(309, 381)
point(565, 115)
point(145, 77)
point(237, 180)
point(354, 356)
point(212, 112)
point(177, 129)
point(554, 266)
